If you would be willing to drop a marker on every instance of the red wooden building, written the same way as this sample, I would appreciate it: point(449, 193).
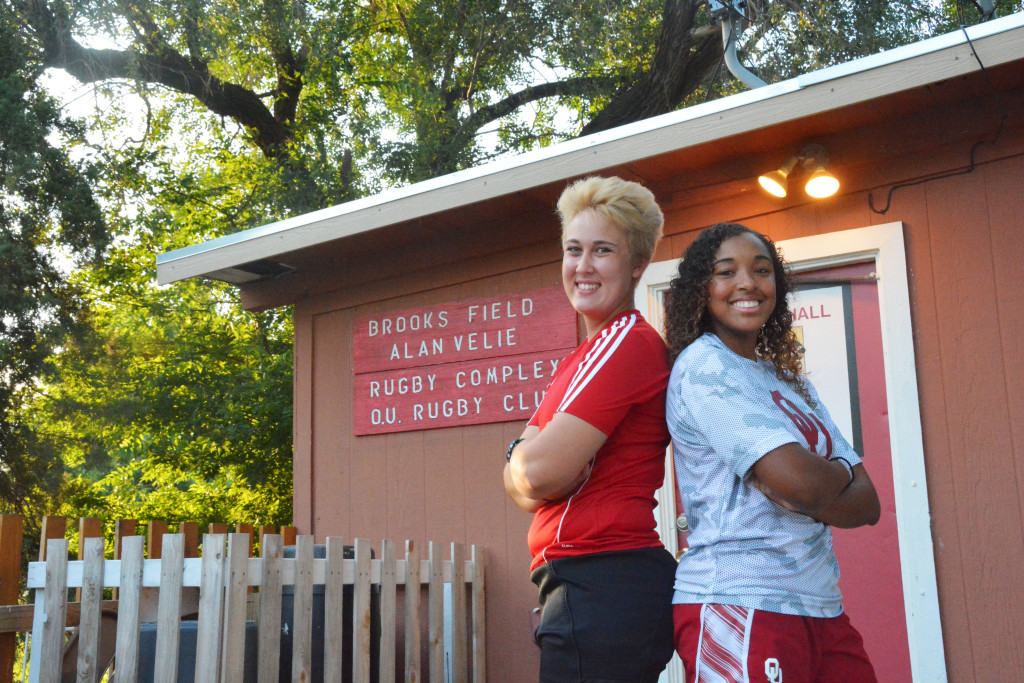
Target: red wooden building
point(913, 266)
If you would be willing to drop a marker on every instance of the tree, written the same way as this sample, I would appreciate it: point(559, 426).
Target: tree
point(188, 419)
point(339, 79)
point(824, 32)
point(326, 84)
point(46, 208)
point(178, 405)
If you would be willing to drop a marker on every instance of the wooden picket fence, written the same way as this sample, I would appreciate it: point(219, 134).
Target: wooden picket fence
point(235, 588)
point(16, 617)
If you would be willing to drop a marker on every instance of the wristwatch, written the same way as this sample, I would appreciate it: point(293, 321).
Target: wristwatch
point(512, 447)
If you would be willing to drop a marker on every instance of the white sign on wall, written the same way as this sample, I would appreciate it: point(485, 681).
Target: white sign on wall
point(820, 323)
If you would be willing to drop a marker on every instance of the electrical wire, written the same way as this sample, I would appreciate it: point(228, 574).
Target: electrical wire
point(731, 12)
point(714, 77)
point(974, 148)
point(959, 7)
point(721, 60)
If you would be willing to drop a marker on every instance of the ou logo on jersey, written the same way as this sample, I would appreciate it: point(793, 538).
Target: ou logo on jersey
point(811, 428)
point(773, 670)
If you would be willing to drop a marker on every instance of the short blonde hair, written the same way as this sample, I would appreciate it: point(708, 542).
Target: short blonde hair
point(629, 205)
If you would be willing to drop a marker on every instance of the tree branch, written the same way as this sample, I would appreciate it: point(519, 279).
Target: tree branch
point(160, 64)
point(570, 86)
point(289, 66)
point(683, 57)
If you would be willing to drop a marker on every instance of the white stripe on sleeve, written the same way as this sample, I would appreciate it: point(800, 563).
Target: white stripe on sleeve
point(610, 340)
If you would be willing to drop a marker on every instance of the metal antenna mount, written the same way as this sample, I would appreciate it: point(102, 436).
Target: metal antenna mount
point(729, 15)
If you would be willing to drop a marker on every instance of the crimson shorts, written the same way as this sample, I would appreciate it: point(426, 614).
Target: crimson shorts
point(724, 643)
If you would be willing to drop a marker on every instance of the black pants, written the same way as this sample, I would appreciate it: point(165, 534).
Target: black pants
point(606, 617)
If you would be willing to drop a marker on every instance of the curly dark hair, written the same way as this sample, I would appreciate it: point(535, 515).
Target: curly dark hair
point(686, 304)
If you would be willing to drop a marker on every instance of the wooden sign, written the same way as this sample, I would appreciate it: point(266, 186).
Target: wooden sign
point(453, 394)
point(461, 363)
point(465, 330)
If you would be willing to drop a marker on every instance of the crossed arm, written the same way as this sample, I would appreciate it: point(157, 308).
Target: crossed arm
point(551, 463)
point(821, 489)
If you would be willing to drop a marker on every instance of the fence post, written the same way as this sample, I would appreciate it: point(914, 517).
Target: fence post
point(169, 609)
point(246, 529)
point(302, 611)
point(10, 569)
point(190, 530)
point(334, 622)
point(48, 618)
point(361, 613)
point(412, 613)
point(126, 652)
point(88, 527)
point(92, 552)
point(479, 618)
point(388, 600)
point(122, 528)
point(211, 605)
point(269, 649)
point(236, 588)
point(458, 661)
point(263, 531)
point(155, 539)
point(435, 612)
point(54, 527)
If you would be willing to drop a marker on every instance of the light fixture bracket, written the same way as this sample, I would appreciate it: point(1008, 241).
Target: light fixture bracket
point(813, 156)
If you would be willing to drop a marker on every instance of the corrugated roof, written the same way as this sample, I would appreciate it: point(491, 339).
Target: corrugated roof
point(912, 66)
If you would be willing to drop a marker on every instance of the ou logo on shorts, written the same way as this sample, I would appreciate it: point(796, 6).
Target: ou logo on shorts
point(773, 670)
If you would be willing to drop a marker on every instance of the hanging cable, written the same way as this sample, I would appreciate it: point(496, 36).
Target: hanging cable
point(959, 7)
point(938, 176)
point(974, 148)
point(727, 14)
point(725, 48)
point(718, 69)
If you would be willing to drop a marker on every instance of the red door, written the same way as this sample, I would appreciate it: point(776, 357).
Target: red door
point(843, 302)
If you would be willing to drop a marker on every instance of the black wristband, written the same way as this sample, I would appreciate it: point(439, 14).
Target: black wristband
point(512, 447)
point(847, 465)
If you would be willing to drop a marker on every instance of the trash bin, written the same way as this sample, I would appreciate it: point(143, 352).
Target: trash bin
point(288, 627)
point(188, 630)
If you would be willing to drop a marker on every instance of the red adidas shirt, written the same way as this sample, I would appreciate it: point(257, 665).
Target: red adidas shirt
point(615, 382)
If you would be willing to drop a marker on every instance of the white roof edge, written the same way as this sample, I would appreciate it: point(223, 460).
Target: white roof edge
point(940, 58)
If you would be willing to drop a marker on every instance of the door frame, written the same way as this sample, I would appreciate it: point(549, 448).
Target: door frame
point(884, 245)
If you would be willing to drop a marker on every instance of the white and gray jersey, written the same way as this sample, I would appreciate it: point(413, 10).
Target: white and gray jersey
point(725, 412)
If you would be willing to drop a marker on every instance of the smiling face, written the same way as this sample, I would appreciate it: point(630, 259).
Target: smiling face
point(598, 272)
point(741, 295)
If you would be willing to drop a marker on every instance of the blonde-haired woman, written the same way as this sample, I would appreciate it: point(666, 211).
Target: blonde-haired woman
point(593, 454)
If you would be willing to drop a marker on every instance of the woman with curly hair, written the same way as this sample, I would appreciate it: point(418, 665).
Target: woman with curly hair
point(763, 472)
